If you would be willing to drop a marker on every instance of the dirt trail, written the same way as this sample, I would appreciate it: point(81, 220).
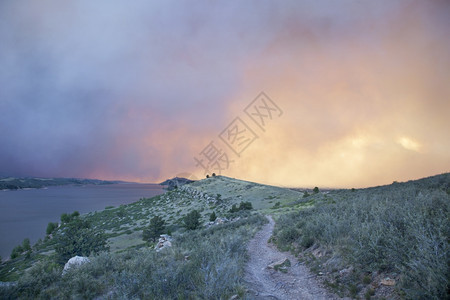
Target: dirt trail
point(265, 283)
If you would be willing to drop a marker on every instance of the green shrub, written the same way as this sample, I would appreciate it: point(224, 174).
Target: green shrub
point(307, 241)
point(26, 246)
point(16, 251)
point(233, 209)
point(78, 238)
point(154, 229)
point(51, 227)
point(192, 220)
point(288, 235)
point(370, 292)
point(212, 217)
point(37, 282)
point(242, 206)
point(66, 218)
point(121, 212)
point(245, 205)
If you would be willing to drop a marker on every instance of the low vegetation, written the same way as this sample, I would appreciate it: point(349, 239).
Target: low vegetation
point(399, 231)
point(352, 239)
point(203, 264)
point(242, 206)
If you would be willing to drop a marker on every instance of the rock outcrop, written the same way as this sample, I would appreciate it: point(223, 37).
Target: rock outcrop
point(175, 182)
point(165, 241)
point(75, 262)
point(217, 222)
point(280, 264)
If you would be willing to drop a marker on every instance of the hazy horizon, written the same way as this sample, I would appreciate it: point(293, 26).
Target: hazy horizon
point(356, 93)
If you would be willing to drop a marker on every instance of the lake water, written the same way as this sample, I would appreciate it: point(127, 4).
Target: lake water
point(26, 213)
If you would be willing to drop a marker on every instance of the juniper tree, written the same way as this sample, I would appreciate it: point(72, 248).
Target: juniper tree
point(192, 220)
point(212, 217)
point(155, 229)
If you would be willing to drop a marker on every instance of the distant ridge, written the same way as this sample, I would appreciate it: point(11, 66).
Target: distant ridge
point(17, 183)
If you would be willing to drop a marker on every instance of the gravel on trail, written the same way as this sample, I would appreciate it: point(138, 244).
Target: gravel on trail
point(266, 283)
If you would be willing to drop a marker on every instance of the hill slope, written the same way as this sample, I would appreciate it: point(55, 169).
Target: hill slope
point(388, 241)
point(352, 239)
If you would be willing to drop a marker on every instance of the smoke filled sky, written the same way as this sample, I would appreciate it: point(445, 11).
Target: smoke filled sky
point(135, 90)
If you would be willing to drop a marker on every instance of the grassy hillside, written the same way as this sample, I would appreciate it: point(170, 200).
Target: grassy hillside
point(123, 227)
point(353, 240)
point(356, 239)
point(232, 190)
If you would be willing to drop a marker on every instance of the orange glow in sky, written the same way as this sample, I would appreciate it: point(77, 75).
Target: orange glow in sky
point(136, 92)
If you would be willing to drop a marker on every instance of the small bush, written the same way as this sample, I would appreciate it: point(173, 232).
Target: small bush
point(154, 229)
point(51, 227)
point(26, 246)
point(121, 212)
point(79, 238)
point(367, 279)
point(307, 241)
point(212, 217)
point(192, 220)
point(66, 218)
point(233, 209)
point(370, 292)
point(245, 205)
point(37, 282)
point(242, 206)
point(16, 252)
point(288, 236)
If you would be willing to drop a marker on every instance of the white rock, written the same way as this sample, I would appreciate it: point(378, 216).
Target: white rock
point(164, 242)
point(75, 261)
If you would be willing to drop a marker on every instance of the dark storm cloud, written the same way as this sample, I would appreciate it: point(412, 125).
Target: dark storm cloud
point(83, 83)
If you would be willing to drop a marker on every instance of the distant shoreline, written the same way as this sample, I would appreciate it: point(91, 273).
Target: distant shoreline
point(13, 183)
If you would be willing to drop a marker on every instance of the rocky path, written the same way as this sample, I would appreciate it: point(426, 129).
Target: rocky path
point(267, 283)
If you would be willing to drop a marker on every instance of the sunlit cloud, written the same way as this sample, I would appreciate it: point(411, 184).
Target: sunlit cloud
point(409, 144)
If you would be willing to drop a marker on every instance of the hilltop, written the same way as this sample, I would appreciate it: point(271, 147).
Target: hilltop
point(372, 242)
